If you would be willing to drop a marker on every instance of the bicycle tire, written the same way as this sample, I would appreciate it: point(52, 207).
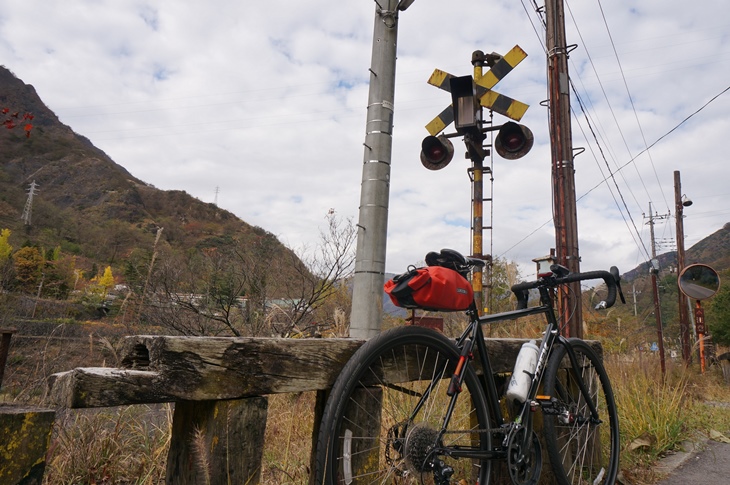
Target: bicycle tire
point(354, 443)
point(581, 451)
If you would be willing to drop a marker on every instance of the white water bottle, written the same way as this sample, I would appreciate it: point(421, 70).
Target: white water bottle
point(519, 384)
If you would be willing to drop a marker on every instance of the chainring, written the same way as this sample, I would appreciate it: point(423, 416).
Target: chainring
point(524, 462)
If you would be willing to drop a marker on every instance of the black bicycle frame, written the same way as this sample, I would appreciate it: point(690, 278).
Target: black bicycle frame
point(474, 335)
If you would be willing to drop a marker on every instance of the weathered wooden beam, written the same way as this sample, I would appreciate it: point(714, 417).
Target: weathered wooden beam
point(163, 368)
point(217, 442)
point(89, 387)
point(206, 368)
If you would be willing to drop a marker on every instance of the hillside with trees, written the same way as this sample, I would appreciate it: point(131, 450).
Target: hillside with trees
point(98, 241)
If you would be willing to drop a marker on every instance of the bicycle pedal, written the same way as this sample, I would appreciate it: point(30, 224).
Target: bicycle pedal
point(548, 404)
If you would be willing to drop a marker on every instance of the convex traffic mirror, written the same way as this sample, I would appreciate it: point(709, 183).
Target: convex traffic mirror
point(699, 281)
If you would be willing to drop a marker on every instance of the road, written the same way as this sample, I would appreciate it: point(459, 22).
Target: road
point(708, 463)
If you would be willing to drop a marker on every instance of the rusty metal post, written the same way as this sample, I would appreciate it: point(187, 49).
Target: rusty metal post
point(701, 331)
point(4, 349)
point(477, 194)
point(477, 231)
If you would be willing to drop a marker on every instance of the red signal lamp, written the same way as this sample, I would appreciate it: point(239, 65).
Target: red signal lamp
point(436, 152)
point(513, 141)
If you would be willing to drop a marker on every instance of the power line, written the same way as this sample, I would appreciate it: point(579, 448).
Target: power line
point(631, 100)
point(610, 108)
point(605, 179)
point(639, 243)
point(632, 160)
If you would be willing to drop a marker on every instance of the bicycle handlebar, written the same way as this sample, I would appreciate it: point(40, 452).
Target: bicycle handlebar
point(611, 278)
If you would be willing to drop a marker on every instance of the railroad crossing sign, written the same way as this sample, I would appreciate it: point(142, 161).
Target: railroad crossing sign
point(488, 98)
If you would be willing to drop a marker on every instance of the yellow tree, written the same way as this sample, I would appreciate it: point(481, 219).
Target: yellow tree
point(28, 268)
point(106, 282)
point(5, 248)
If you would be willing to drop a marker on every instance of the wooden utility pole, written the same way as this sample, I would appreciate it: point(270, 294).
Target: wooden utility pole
point(563, 174)
point(682, 298)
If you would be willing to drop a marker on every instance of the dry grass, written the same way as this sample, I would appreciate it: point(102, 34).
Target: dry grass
point(128, 445)
point(125, 445)
point(288, 438)
point(657, 413)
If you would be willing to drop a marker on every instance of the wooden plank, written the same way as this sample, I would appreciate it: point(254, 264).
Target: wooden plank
point(217, 442)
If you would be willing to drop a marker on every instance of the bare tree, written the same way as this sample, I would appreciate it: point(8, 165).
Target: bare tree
point(321, 276)
point(254, 286)
point(198, 293)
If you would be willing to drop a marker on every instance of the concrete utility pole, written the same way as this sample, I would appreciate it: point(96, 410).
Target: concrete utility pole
point(372, 227)
point(563, 174)
point(679, 205)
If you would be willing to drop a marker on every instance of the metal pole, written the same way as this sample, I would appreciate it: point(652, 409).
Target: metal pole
point(477, 246)
point(367, 295)
point(563, 176)
point(700, 324)
point(655, 291)
point(477, 193)
point(682, 298)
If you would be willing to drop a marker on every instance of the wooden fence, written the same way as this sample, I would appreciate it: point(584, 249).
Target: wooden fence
point(219, 386)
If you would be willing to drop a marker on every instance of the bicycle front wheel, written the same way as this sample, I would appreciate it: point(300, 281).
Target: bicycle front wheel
point(583, 449)
point(384, 418)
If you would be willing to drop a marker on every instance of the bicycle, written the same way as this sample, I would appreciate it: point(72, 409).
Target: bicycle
point(411, 406)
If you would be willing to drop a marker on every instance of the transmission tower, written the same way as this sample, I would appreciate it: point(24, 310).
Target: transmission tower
point(215, 201)
point(29, 204)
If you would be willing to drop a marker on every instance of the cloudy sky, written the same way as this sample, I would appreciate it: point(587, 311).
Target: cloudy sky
point(261, 106)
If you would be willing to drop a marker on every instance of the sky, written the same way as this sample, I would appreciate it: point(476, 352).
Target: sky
point(260, 107)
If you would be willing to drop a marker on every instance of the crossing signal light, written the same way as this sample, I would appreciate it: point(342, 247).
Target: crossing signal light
point(436, 152)
point(513, 141)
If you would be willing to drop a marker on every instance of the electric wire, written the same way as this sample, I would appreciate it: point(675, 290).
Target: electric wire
point(676, 127)
point(631, 100)
point(632, 160)
point(639, 243)
point(635, 231)
point(610, 108)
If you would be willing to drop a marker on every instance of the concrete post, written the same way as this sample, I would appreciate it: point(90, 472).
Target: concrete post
point(367, 298)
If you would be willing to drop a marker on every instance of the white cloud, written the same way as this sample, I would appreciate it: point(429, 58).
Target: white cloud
point(267, 102)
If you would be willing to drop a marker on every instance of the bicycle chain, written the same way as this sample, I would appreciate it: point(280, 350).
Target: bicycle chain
point(477, 431)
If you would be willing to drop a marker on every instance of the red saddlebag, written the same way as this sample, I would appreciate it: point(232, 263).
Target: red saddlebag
point(431, 288)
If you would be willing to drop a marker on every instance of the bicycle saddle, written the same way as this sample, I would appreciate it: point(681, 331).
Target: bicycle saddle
point(452, 259)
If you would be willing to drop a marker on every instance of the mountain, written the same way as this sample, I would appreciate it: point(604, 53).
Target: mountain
point(714, 251)
point(87, 204)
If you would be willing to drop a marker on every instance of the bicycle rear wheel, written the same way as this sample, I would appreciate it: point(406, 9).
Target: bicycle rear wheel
point(386, 410)
point(581, 450)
